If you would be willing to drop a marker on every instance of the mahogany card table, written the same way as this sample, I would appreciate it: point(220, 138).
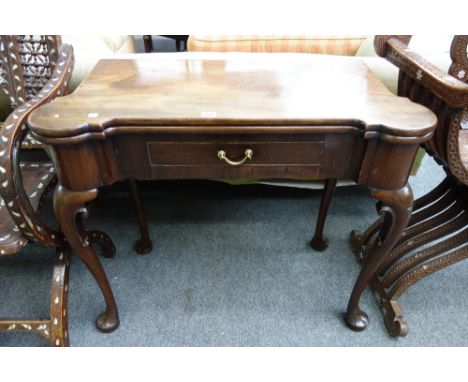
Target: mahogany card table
point(232, 116)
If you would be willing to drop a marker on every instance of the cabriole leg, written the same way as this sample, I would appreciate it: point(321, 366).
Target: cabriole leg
point(69, 207)
point(320, 242)
point(143, 245)
point(397, 206)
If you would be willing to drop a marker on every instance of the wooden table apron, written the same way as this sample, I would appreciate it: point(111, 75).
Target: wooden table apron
point(146, 153)
point(373, 155)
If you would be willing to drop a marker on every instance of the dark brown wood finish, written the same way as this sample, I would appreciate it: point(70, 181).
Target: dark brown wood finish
point(69, 208)
point(34, 69)
point(437, 232)
point(320, 242)
point(144, 244)
point(219, 116)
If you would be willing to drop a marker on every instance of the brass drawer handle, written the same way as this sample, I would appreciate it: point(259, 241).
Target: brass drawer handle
point(222, 156)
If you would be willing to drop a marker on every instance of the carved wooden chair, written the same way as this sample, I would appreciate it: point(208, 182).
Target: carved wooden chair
point(437, 234)
point(33, 71)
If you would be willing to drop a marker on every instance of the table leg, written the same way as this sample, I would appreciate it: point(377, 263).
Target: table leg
point(69, 207)
point(396, 209)
point(320, 242)
point(143, 245)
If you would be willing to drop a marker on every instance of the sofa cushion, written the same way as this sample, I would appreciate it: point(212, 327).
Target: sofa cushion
point(340, 45)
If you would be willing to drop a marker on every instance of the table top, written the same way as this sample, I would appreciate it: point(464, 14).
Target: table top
point(223, 89)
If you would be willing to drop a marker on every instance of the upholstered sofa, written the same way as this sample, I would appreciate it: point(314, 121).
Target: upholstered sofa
point(436, 48)
point(336, 45)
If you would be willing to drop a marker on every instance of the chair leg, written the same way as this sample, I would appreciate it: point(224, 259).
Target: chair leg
point(437, 242)
point(56, 328)
point(143, 245)
point(320, 242)
point(59, 299)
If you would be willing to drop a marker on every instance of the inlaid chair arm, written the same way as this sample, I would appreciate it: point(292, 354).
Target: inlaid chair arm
point(395, 49)
point(12, 134)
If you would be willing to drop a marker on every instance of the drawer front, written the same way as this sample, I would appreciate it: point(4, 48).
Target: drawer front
point(206, 153)
point(316, 156)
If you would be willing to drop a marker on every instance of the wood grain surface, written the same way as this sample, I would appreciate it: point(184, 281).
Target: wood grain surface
point(231, 89)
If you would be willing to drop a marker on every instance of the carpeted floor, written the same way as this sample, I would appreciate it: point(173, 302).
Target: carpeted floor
point(232, 267)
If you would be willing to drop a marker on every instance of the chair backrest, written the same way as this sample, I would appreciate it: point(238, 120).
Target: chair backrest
point(34, 72)
point(26, 64)
point(446, 94)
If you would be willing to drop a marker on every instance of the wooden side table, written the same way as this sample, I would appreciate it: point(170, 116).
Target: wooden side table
point(233, 116)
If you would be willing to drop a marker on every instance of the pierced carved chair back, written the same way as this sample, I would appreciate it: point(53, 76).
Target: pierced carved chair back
point(26, 64)
point(33, 71)
point(446, 94)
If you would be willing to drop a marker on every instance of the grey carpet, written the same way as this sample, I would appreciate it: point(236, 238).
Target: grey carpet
point(232, 267)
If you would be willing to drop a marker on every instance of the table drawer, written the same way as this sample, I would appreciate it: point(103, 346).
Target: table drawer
point(206, 153)
point(273, 157)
